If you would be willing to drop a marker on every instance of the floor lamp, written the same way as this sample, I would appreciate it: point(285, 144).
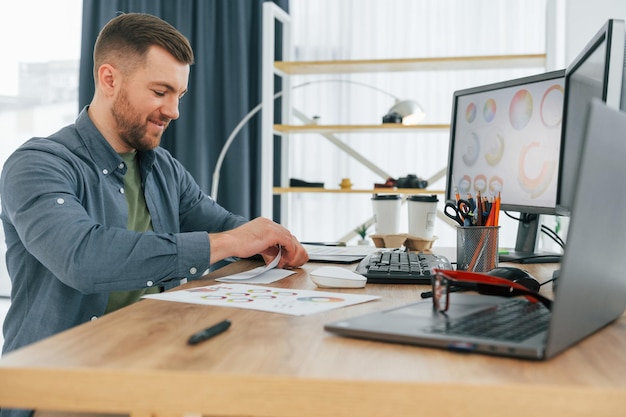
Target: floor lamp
point(407, 112)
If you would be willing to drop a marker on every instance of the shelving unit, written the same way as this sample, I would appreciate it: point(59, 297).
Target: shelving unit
point(405, 191)
point(411, 64)
point(285, 67)
point(381, 128)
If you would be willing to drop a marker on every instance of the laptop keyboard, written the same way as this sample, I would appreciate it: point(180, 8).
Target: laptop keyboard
point(513, 321)
point(385, 267)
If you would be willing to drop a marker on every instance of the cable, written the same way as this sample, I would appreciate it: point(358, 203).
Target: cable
point(545, 230)
point(550, 280)
point(512, 217)
point(552, 235)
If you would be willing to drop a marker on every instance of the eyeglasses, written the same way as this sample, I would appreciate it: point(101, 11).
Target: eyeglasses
point(483, 283)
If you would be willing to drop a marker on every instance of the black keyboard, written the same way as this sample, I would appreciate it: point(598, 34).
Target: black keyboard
point(513, 321)
point(386, 267)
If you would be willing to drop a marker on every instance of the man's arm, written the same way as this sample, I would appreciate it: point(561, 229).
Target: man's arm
point(73, 221)
point(259, 236)
point(230, 234)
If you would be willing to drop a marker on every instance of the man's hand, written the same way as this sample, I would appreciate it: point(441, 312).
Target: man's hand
point(259, 236)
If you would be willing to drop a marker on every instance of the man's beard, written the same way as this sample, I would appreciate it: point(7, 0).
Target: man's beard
point(131, 127)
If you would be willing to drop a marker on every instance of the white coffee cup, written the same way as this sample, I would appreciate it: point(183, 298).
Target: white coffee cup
point(387, 213)
point(422, 215)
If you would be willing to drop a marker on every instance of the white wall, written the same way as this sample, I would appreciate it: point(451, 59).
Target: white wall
point(376, 29)
point(583, 18)
point(571, 25)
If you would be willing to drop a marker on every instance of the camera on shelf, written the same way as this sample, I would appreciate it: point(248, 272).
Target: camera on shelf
point(411, 181)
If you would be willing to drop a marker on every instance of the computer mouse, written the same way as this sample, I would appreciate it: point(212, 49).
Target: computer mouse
point(516, 275)
point(337, 277)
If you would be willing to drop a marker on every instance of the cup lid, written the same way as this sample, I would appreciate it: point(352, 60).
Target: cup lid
point(423, 198)
point(386, 197)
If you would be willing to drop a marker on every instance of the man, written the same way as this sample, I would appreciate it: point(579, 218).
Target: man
point(97, 214)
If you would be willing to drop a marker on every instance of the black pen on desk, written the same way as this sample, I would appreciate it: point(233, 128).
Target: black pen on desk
point(209, 332)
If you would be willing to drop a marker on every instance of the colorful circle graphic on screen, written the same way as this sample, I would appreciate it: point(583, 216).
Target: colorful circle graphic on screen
point(495, 185)
point(495, 146)
point(551, 109)
point(537, 185)
point(489, 110)
point(521, 109)
point(465, 184)
point(471, 148)
point(480, 183)
point(470, 112)
point(321, 299)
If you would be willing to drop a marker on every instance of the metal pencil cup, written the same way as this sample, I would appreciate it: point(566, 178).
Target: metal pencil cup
point(477, 248)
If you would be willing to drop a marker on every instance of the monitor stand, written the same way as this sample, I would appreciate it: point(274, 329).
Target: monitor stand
point(525, 245)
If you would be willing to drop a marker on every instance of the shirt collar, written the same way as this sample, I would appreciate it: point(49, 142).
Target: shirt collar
point(101, 151)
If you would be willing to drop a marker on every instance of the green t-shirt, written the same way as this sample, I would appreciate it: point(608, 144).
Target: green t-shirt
point(138, 220)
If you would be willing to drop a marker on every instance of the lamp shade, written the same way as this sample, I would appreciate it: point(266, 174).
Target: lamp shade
point(408, 111)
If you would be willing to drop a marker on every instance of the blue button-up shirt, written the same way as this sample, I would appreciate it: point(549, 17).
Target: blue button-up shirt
point(65, 215)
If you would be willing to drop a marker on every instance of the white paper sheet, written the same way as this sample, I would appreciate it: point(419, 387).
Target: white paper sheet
point(254, 297)
point(261, 275)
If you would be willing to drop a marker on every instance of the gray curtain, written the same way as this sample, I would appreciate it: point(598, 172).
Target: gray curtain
point(224, 85)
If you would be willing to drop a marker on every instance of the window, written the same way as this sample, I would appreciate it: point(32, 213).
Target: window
point(40, 51)
point(375, 29)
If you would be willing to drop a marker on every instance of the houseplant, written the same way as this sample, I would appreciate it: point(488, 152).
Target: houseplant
point(362, 232)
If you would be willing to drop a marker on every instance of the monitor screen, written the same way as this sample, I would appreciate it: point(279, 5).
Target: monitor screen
point(505, 138)
point(597, 72)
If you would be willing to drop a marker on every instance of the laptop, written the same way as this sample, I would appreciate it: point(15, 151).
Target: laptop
point(591, 290)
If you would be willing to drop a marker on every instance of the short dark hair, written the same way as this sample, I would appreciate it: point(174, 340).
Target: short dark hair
point(132, 34)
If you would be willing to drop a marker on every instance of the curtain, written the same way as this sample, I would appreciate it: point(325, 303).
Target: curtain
point(224, 85)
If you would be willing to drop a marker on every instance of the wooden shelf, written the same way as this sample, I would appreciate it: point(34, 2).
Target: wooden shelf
point(412, 64)
point(381, 128)
point(408, 191)
point(273, 69)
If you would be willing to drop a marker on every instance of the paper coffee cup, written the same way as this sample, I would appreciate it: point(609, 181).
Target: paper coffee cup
point(387, 213)
point(422, 215)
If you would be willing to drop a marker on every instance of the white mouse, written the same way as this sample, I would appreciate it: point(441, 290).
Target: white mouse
point(337, 277)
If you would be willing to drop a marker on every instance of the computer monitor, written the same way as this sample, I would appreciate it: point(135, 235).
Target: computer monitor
point(597, 72)
point(505, 138)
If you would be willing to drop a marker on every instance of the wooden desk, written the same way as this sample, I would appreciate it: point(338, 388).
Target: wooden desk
point(136, 360)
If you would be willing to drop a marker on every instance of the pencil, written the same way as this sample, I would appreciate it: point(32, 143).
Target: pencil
point(479, 209)
point(497, 217)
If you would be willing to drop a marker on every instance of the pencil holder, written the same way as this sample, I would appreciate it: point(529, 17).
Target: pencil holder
point(477, 248)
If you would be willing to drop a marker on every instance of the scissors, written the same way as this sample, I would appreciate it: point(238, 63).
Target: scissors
point(460, 213)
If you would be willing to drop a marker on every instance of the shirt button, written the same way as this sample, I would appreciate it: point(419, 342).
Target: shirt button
point(121, 166)
point(105, 171)
point(60, 201)
point(93, 318)
point(193, 270)
point(149, 283)
point(122, 190)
